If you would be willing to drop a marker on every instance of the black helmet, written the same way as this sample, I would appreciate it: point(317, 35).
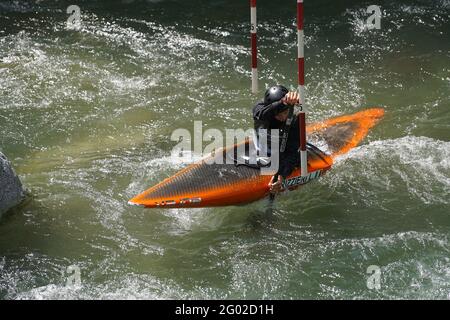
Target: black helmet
point(275, 93)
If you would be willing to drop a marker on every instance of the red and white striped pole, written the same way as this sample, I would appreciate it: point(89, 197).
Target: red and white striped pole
point(254, 50)
point(301, 89)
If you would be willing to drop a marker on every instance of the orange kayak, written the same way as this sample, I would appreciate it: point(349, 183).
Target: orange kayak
point(209, 184)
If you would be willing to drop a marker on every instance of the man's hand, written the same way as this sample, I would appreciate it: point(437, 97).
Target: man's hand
point(276, 187)
point(291, 98)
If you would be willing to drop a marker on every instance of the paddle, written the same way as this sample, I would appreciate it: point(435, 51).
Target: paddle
point(271, 198)
point(272, 195)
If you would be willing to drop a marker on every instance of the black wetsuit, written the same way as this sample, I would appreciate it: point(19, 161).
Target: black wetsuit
point(264, 117)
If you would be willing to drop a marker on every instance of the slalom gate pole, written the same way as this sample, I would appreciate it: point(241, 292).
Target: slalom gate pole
point(254, 48)
point(301, 89)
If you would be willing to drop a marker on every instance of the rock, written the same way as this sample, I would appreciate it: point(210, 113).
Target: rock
point(11, 190)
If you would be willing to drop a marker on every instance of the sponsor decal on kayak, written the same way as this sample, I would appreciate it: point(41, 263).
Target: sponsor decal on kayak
point(299, 180)
point(181, 201)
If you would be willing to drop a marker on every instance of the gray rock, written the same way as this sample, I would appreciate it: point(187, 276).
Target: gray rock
point(11, 190)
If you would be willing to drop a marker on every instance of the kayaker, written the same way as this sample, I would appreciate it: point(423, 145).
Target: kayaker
point(274, 112)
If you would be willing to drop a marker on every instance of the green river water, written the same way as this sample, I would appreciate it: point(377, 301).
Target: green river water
point(86, 118)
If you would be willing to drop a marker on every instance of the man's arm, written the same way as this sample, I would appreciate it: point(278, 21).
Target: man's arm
point(265, 112)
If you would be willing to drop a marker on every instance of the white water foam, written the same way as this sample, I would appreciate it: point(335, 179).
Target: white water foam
point(421, 164)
